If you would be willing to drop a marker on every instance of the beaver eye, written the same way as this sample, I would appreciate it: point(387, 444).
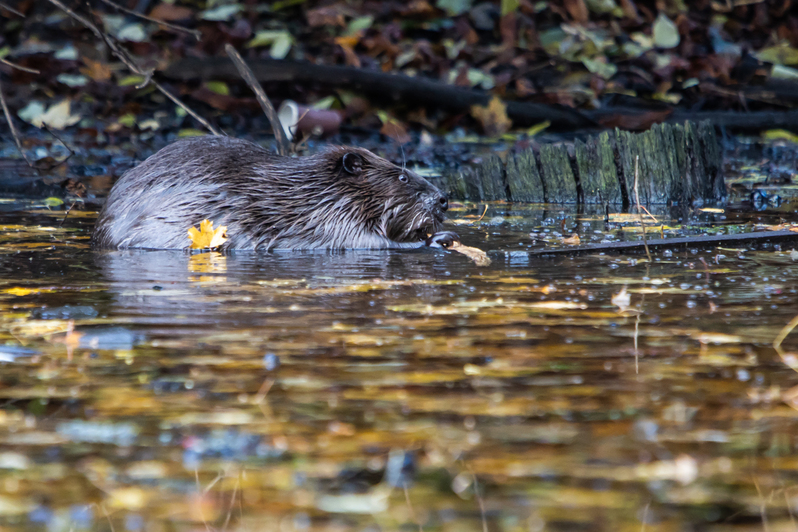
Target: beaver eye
point(403, 178)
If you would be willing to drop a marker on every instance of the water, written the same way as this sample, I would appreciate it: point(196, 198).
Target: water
point(375, 391)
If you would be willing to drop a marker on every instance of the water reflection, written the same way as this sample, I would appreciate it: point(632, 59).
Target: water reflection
point(394, 391)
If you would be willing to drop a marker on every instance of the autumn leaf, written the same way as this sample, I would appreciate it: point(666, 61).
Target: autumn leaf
point(479, 257)
point(492, 117)
point(206, 237)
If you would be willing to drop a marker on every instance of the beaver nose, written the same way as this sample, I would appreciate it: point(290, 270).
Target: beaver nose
point(444, 203)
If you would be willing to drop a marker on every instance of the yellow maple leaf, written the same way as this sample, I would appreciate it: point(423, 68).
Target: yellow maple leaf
point(206, 237)
point(492, 117)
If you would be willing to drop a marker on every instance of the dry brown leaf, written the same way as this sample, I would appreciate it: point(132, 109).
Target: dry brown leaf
point(572, 240)
point(170, 12)
point(96, 70)
point(206, 237)
point(479, 257)
point(492, 117)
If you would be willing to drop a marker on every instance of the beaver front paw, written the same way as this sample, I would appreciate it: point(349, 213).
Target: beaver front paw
point(444, 239)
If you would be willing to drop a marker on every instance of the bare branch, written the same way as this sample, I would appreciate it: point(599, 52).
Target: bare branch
point(174, 27)
point(11, 9)
point(283, 147)
point(18, 67)
point(123, 56)
point(13, 129)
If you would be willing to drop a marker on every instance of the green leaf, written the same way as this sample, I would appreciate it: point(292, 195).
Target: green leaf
point(219, 87)
point(780, 54)
point(538, 128)
point(324, 103)
point(127, 81)
point(52, 201)
point(600, 66)
point(454, 7)
point(360, 24)
point(666, 34)
point(510, 6)
point(127, 120)
point(190, 132)
point(780, 134)
point(280, 41)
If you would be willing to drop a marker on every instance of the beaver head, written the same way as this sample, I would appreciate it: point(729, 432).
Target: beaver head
point(392, 201)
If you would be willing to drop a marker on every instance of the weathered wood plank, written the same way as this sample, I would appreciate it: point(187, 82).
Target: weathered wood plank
point(523, 178)
point(559, 181)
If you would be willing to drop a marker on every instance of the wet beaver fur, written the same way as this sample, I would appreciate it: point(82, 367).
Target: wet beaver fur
point(340, 198)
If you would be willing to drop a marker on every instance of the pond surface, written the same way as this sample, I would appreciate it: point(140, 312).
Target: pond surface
point(377, 391)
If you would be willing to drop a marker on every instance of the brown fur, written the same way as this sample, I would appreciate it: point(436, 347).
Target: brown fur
point(341, 198)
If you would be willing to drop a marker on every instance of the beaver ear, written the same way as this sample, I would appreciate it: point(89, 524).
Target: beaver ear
point(352, 163)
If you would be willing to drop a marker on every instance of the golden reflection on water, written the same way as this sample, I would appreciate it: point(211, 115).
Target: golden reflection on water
point(394, 391)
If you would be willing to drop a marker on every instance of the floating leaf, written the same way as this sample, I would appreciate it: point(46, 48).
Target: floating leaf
point(52, 201)
point(206, 237)
point(479, 257)
point(666, 34)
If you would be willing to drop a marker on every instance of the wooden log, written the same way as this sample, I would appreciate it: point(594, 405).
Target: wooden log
point(491, 175)
point(558, 178)
point(676, 164)
point(680, 243)
point(523, 178)
point(598, 176)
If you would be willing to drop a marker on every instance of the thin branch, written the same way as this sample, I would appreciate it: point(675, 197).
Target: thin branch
point(19, 67)
point(67, 214)
point(5, 6)
point(180, 29)
point(59, 139)
point(13, 129)
point(283, 146)
point(123, 56)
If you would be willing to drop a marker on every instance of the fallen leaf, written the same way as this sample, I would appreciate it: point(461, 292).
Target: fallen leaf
point(621, 300)
point(572, 240)
point(206, 237)
point(666, 34)
point(479, 257)
point(57, 116)
point(96, 70)
point(492, 117)
point(780, 134)
point(170, 12)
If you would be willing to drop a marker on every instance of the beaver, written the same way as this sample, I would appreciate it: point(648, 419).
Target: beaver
point(339, 198)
